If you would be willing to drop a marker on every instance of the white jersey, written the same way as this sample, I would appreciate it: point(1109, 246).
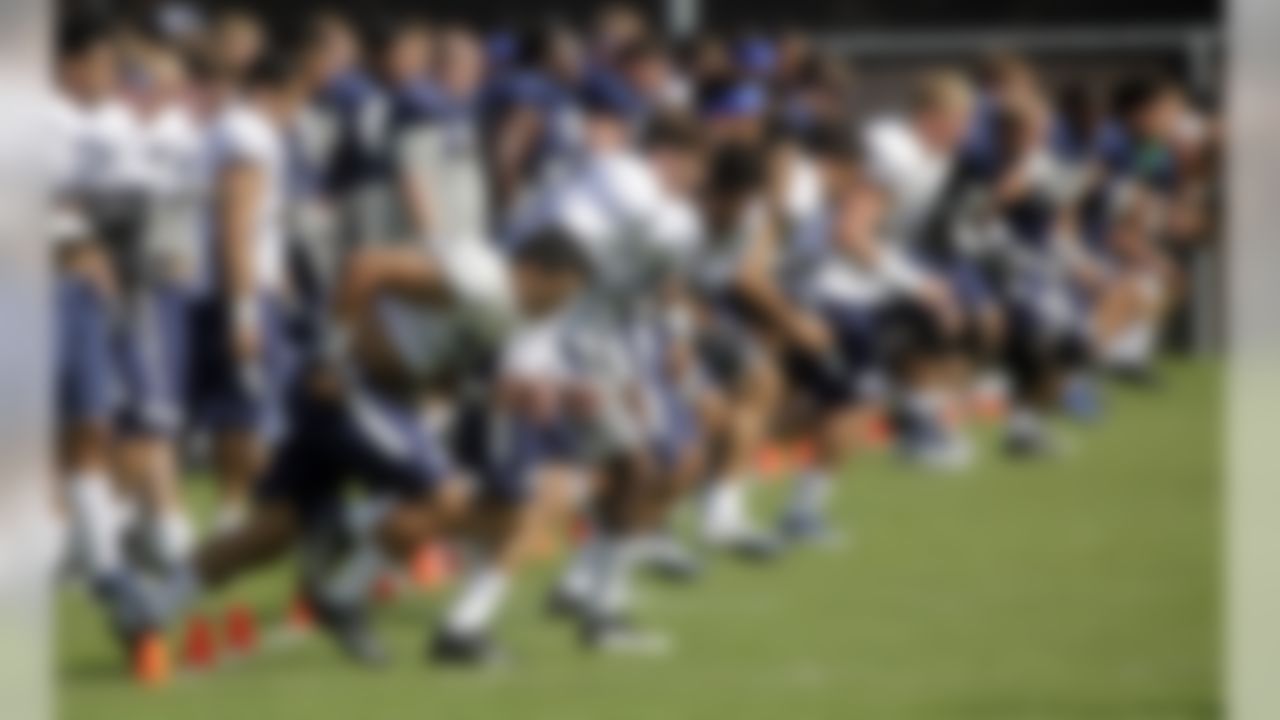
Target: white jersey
point(614, 205)
point(913, 174)
point(171, 152)
point(719, 257)
point(844, 282)
point(244, 134)
point(100, 150)
point(447, 156)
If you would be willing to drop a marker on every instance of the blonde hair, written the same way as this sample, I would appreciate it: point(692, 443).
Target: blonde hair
point(941, 90)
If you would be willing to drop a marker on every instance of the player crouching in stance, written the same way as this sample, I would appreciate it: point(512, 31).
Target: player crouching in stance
point(525, 438)
point(353, 417)
point(867, 310)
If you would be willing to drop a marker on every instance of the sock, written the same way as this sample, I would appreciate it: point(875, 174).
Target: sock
point(809, 493)
point(724, 513)
point(1133, 347)
point(575, 582)
point(925, 404)
point(97, 522)
point(1024, 423)
point(184, 587)
point(611, 591)
point(347, 585)
point(171, 536)
point(478, 601)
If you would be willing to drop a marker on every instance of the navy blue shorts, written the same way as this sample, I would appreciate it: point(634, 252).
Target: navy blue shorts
point(87, 386)
point(362, 440)
point(225, 394)
point(966, 281)
point(505, 460)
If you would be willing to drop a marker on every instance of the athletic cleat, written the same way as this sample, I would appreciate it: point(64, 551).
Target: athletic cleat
point(754, 546)
point(617, 635)
point(1138, 376)
point(1031, 446)
point(1081, 400)
point(675, 565)
point(563, 606)
point(457, 650)
point(351, 629)
point(808, 529)
point(678, 571)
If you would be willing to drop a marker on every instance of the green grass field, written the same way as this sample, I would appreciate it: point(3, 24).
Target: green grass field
point(1085, 588)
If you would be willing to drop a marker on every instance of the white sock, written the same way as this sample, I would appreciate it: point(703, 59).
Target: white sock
point(171, 535)
point(1024, 422)
point(97, 521)
point(478, 601)
point(1133, 347)
point(611, 593)
point(724, 512)
point(575, 581)
point(809, 493)
point(926, 403)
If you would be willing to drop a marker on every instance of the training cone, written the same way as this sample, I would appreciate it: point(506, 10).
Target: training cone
point(300, 616)
point(803, 453)
point(199, 645)
point(771, 460)
point(431, 569)
point(151, 666)
point(876, 431)
point(241, 629)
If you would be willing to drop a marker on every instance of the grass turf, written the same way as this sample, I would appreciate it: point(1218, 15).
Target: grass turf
point(1082, 588)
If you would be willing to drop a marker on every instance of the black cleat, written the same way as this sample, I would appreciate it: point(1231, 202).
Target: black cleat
point(351, 629)
point(617, 635)
point(679, 569)
point(1033, 446)
point(476, 651)
point(1138, 376)
point(755, 547)
point(563, 606)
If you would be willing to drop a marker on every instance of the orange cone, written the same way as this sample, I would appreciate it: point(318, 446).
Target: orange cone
point(241, 629)
point(199, 646)
point(151, 664)
point(430, 567)
point(803, 452)
point(771, 460)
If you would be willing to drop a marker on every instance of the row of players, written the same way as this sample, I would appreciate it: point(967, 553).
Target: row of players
point(335, 279)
